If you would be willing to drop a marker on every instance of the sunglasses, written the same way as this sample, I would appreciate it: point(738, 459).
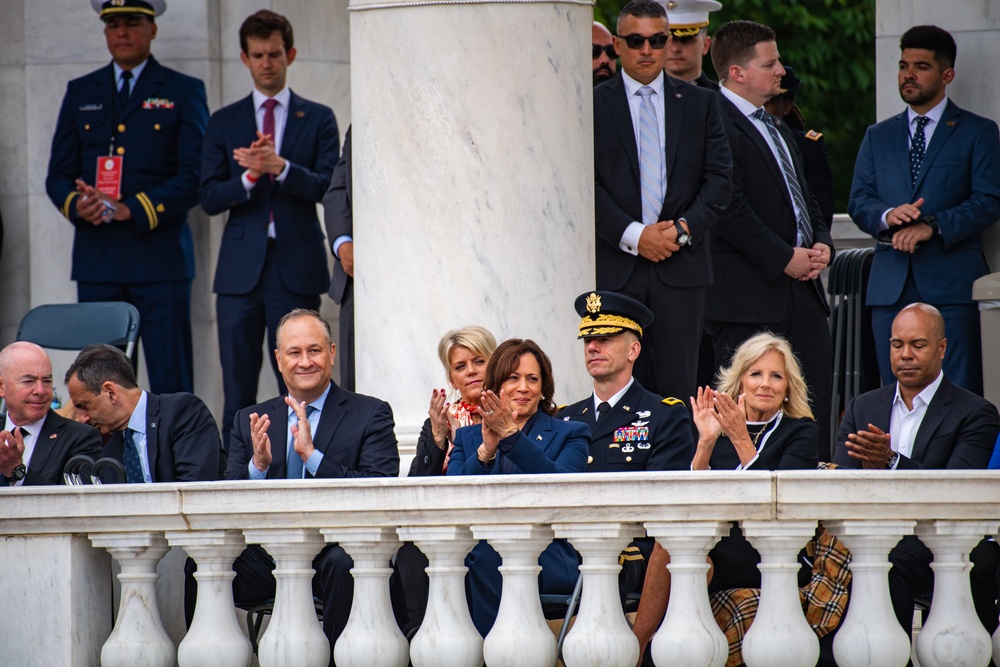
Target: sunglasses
point(635, 41)
point(608, 49)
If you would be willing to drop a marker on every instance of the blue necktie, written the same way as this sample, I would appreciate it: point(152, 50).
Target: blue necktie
point(918, 145)
point(294, 464)
point(125, 91)
point(802, 211)
point(650, 158)
point(130, 460)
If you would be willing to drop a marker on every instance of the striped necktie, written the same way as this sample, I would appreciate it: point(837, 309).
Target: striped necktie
point(802, 211)
point(650, 158)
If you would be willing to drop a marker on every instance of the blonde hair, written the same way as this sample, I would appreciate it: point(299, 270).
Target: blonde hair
point(730, 378)
point(477, 339)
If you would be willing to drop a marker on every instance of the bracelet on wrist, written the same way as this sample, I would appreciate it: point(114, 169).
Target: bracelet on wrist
point(483, 454)
point(251, 178)
point(509, 432)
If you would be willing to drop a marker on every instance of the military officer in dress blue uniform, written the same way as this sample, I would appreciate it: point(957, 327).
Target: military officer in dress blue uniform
point(631, 428)
point(124, 171)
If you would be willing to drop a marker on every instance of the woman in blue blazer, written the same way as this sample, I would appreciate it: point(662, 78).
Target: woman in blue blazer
point(518, 436)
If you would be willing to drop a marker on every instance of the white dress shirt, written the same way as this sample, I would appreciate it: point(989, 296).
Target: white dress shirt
point(30, 440)
point(904, 423)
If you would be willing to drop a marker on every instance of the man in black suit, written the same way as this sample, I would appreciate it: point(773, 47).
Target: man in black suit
point(923, 422)
point(771, 243)
point(656, 197)
point(267, 160)
point(339, 220)
point(35, 442)
point(317, 430)
point(157, 438)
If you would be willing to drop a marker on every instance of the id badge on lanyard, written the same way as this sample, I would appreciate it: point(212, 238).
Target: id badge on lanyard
point(109, 176)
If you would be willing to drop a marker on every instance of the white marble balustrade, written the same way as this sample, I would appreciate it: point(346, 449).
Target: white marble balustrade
point(54, 541)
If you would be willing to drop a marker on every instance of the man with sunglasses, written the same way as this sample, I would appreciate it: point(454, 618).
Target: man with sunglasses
point(689, 40)
point(605, 57)
point(662, 170)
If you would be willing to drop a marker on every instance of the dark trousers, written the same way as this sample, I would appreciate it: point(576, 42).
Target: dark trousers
point(345, 352)
point(333, 584)
point(807, 328)
point(911, 577)
point(668, 363)
point(963, 362)
point(164, 326)
point(242, 321)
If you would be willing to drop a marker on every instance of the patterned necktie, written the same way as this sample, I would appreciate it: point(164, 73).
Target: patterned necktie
point(130, 460)
point(602, 409)
point(294, 464)
point(650, 157)
point(918, 146)
point(802, 211)
point(125, 91)
point(268, 128)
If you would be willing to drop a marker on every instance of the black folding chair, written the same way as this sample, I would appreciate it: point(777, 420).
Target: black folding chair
point(74, 326)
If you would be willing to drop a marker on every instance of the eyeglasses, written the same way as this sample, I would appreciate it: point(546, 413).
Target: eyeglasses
point(608, 49)
point(636, 41)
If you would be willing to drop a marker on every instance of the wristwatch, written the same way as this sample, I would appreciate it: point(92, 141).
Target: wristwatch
point(17, 474)
point(893, 459)
point(683, 237)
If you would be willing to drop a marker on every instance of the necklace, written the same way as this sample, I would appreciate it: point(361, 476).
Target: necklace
point(763, 429)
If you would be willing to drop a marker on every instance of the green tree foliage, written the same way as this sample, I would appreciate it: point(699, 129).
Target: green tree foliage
point(831, 45)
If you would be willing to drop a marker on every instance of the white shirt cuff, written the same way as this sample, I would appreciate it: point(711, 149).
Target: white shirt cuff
point(882, 223)
point(630, 239)
point(284, 172)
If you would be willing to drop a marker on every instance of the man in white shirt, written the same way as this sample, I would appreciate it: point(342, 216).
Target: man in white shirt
point(923, 421)
point(35, 442)
point(267, 160)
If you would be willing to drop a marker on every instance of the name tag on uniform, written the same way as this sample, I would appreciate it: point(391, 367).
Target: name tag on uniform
point(109, 176)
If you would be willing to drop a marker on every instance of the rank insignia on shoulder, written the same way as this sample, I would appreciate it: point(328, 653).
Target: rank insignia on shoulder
point(642, 414)
point(814, 135)
point(670, 400)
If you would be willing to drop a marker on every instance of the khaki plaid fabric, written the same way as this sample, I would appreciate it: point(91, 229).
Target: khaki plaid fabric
point(824, 599)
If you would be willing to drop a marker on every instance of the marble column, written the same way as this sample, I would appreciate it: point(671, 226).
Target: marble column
point(473, 184)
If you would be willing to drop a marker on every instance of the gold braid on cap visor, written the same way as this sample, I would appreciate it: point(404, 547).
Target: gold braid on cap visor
point(608, 324)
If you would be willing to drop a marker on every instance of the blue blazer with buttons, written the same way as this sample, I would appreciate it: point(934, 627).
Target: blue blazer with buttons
point(311, 143)
point(959, 180)
point(159, 136)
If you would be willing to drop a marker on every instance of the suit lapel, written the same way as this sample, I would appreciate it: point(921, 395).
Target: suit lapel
point(152, 433)
point(616, 98)
point(746, 126)
point(943, 131)
point(295, 120)
point(899, 138)
point(146, 86)
point(673, 107)
point(46, 443)
point(277, 412)
point(541, 432)
point(334, 410)
point(937, 410)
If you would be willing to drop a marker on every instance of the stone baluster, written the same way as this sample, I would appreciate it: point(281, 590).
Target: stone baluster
point(447, 637)
point(294, 635)
point(953, 635)
point(996, 633)
point(371, 637)
point(780, 636)
point(138, 639)
point(689, 635)
point(601, 636)
point(520, 636)
point(870, 636)
point(215, 638)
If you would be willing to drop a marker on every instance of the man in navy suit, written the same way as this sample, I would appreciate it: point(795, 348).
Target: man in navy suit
point(662, 171)
point(132, 241)
point(771, 243)
point(267, 159)
point(157, 438)
point(930, 177)
point(317, 430)
point(923, 422)
point(35, 441)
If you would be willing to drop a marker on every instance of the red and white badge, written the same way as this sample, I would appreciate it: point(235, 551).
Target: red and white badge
point(109, 176)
